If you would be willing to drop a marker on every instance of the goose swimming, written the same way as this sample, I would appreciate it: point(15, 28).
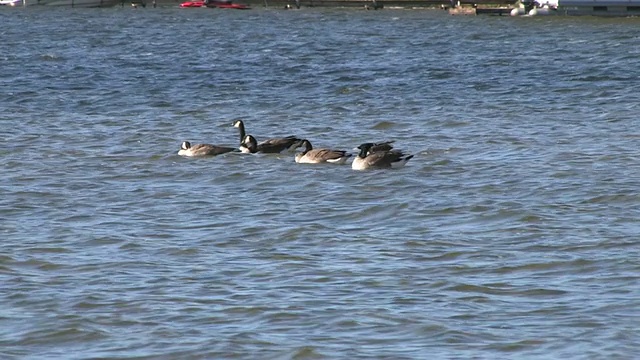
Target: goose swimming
point(186, 149)
point(275, 145)
point(381, 146)
point(368, 159)
point(317, 156)
point(249, 145)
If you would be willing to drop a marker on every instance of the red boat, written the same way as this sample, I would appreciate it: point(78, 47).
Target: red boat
point(192, 4)
point(222, 4)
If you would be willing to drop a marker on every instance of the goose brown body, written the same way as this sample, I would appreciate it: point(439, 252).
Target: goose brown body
point(381, 159)
point(186, 149)
point(317, 156)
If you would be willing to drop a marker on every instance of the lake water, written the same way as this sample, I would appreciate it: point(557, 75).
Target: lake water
point(512, 234)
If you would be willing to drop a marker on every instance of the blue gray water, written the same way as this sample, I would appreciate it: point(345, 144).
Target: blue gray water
point(512, 234)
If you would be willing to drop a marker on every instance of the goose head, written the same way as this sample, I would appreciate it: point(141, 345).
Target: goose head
point(238, 124)
point(364, 149)
point(307, 146)
point(249, 144)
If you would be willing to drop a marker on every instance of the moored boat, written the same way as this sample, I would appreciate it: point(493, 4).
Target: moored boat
point(188, 4)
point(625, 8)
point(222, 4)
point(10, 2)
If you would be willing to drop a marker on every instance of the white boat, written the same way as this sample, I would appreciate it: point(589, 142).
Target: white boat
point(577, 7)
point(10, 2)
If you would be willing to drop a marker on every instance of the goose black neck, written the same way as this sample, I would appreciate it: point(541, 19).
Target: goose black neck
point(241, 127)
point(307, 146)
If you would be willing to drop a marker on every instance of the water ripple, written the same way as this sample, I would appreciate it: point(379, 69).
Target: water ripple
point(510, 234)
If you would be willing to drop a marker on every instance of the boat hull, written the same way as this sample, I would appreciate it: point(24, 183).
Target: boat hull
point(214, 4)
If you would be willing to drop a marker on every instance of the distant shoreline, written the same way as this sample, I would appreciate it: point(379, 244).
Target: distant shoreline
point(365, 4)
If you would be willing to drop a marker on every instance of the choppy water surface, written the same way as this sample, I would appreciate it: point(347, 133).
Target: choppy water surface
point(513, 233)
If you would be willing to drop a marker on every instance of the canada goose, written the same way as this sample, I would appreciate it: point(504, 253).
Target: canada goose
point(381, 146)
point(186, 149)
point(275, 145)
point(249, 145)
point(368, 159)
point(316, 156)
